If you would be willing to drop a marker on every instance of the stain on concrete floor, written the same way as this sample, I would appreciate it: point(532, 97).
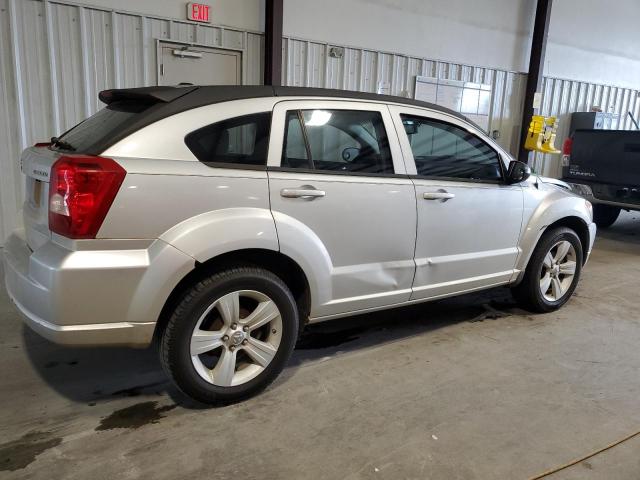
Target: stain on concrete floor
point(135, 416)
point(18, 454)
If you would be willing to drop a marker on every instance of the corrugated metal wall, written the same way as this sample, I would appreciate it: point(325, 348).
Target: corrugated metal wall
point(562, 97)
point(55, 58)
point(309, 64)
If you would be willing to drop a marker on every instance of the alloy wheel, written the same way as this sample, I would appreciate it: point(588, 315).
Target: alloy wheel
point(236, 338)
point(558, 271)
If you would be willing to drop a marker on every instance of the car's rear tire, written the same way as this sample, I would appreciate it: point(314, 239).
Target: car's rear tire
point(230, 335)
point(605, 215)
point(553, 272)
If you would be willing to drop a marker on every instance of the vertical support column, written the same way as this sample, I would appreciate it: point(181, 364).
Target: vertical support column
point(536, 68)
point(273, 42)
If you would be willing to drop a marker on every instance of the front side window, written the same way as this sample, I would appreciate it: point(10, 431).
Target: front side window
point(444, 150)
point(238, 141)
point(351, 141)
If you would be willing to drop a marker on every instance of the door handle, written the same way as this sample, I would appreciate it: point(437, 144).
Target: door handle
point(306, 192)
point(441, 195)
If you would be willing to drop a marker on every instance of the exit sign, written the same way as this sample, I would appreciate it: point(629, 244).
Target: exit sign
point(199, 12)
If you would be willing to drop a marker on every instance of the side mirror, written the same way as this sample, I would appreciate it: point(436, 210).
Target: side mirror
point(518, 172)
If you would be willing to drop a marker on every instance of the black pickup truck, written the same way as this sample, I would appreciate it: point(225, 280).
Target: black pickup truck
point(604, 167)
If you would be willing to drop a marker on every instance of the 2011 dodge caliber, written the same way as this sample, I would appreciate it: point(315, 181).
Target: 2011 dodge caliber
point(219, 221)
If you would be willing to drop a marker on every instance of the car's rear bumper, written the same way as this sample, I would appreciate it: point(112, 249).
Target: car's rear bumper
point(95, 297)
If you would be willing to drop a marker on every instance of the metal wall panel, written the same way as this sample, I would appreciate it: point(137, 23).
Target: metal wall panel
point(562, 97)
point(56, 56)
point(10, 179)
point(309, 64)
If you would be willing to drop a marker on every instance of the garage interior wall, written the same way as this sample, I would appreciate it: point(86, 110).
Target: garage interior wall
point(309, 64)
point(55, 56)
point(492, 33)
point(561, 97)
point(590, 43)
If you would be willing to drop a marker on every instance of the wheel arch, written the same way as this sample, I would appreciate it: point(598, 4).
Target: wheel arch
point(579, 226)
point(276, 262)
point(573, 222)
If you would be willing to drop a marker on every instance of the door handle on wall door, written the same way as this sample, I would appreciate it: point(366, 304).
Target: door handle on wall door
point(306, 192)
point(441, 195)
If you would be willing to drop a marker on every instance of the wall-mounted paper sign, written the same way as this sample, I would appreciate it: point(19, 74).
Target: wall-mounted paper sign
point(469, 98)
point(537, 100)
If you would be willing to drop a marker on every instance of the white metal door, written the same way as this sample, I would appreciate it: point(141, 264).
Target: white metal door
point(468, 230)
point(355, 231)
point(198, 65)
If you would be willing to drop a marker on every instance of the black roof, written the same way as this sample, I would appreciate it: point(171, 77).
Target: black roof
point(163, 101)
point(188, 96)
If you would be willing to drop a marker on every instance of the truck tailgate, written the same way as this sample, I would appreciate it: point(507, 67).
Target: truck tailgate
point(606, 156)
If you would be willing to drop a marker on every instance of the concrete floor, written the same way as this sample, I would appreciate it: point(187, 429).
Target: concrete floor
point(467, 388)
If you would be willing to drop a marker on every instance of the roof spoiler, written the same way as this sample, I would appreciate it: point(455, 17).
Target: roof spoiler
point(145, 94)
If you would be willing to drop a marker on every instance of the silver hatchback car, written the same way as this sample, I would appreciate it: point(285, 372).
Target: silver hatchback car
point(219, 221)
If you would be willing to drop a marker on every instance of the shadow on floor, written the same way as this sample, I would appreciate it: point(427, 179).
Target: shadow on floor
point(89, 375)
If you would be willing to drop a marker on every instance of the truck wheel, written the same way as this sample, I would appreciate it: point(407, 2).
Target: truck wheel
point(230, 335)
point(605, 215)
point(552, 273)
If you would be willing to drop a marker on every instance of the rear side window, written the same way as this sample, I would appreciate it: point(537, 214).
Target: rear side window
point(444, 150)
point(101, 126)
point(353, 141)
point(237, 141)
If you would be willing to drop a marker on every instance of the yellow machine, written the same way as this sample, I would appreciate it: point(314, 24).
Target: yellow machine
point(542, 134)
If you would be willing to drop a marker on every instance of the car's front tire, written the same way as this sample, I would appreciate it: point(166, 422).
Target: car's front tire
point(230, 335)
point(605, 215)
point(553, 271)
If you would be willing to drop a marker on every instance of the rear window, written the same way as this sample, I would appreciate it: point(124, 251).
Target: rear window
point(235, 142)
point(100, 127)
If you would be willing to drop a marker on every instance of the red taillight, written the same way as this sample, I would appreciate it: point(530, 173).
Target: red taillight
point(566, 152)
point(81, 191)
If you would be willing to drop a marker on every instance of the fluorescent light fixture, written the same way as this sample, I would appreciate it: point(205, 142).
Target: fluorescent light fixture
point(318, 118)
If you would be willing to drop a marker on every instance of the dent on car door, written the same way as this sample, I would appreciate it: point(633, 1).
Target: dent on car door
point(341, 209)
point(468, 219)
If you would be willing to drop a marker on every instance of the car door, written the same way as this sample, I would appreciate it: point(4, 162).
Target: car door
point(469, 219)
point(344, 207)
